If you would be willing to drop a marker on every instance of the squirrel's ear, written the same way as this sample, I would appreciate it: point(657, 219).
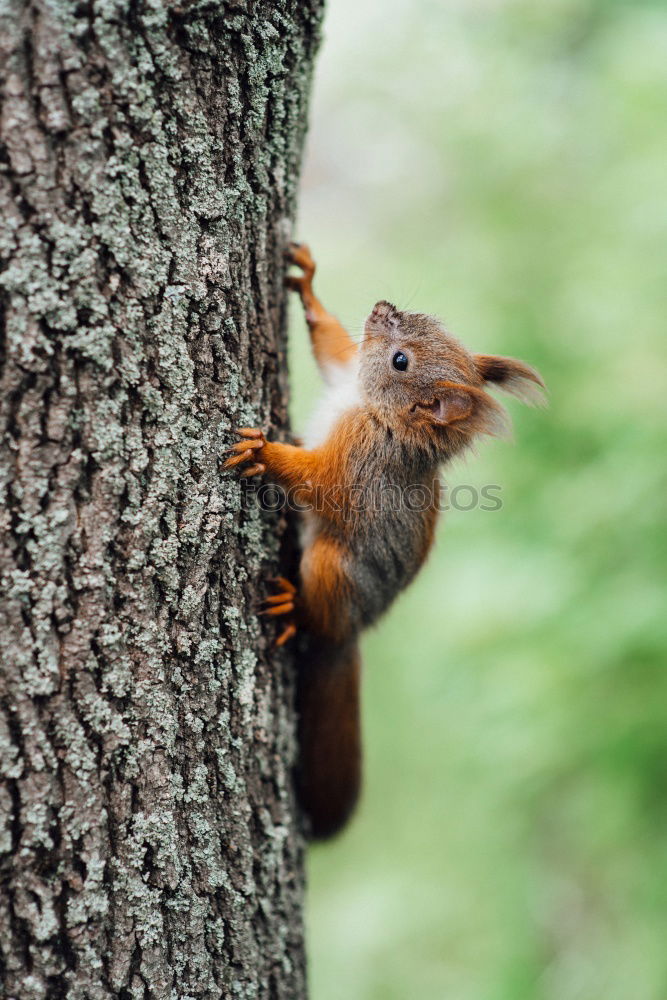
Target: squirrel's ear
point(468, 409)
point(511, 375)
point(453, 406)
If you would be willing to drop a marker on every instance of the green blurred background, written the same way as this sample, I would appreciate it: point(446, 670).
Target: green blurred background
point(503, 165)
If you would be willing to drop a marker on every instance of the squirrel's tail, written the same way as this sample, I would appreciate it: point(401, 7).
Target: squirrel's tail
point(329, 775)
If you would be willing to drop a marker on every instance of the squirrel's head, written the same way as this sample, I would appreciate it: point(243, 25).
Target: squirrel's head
point(419, 377)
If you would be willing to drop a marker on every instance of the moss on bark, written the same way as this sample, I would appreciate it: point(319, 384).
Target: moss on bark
point(149, 155)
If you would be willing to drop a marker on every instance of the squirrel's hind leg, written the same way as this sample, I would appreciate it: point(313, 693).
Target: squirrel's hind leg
point(325, 593)
point(331, 341)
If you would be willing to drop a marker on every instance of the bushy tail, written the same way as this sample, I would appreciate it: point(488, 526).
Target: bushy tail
point(329, 775)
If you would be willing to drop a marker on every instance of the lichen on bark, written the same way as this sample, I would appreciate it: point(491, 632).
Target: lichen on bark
point(149, 156)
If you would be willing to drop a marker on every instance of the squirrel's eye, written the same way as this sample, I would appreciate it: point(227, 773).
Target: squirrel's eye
point(400, 362)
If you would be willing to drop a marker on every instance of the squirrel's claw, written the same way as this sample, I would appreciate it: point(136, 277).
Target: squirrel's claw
point(281, 604)
point(283, 582)
point(237, 459)
point(255, 470)
point(279, 609)
point(285, 635)
point(299, 254)
point(276, 599)
point(245, 444)
point(247, 450)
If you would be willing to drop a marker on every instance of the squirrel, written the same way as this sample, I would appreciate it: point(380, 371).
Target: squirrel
point(406, 399)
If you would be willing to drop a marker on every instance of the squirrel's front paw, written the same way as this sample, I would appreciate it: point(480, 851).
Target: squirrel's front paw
point(247, 450)
point(299, 254)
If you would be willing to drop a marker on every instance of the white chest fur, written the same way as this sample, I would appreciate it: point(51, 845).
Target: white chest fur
point(341, 394)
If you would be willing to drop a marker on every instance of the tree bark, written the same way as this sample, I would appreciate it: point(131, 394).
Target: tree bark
point(149, 155)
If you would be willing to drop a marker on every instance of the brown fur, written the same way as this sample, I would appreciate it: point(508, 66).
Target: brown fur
point(329, 773)
point(357, 559)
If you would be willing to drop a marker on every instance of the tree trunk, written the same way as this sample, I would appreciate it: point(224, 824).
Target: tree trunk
point(149, 158)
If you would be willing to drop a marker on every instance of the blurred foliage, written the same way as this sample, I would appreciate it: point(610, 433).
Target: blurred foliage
point(502, 164)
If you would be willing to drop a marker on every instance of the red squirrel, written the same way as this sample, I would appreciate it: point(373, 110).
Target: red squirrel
point(406, 399)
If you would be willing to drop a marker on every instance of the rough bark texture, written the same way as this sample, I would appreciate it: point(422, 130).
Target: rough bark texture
point(149, 154)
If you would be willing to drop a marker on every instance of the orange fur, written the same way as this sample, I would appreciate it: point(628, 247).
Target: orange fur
point(392, 430)
point(331, 342)
point(325, 593)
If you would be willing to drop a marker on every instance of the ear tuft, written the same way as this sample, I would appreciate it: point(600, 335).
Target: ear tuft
point(513, 376)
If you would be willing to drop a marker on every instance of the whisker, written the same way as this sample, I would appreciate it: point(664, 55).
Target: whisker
point(415, 292)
